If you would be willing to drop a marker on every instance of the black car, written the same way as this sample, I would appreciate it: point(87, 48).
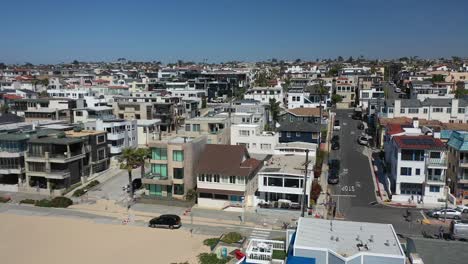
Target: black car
point(335, 145)
point(136, 184)
point(335, 138)
point(356, 116)
point(333, 171)
point(360, 126)
point(165, 221)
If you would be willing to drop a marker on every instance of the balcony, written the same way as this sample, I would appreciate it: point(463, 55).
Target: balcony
point(441, 162)
point(436, 178)
point(58, 174)
point(464, 162)
point(156, 178)
point(11, 170)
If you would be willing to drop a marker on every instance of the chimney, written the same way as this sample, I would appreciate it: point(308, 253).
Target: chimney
point(415, 122)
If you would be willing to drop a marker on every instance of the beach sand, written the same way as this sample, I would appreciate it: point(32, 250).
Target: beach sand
point(49, 240)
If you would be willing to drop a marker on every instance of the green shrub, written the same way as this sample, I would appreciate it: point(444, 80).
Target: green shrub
point(211, 258)
point(78, 193)
point(4, 199)
point(43, 203)
point(210, 242)
point(28, 201)
point(279, 254)
point(231, 237)
point(61, 202)
point(92, 184)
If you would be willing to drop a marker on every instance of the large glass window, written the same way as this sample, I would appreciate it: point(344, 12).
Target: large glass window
point(232, 179)
point(159, 154)
point(160, 169)
point(273, 181)
point(178, 155)
point(178, 173)
point(435, 155)
point(179, 189)
point(405, 171)
point(292, 183)
point(414, 155)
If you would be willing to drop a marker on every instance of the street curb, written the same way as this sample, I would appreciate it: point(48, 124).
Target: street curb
point(374, 179)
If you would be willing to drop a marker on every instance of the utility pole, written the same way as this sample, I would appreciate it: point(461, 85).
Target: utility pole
point(304, 194)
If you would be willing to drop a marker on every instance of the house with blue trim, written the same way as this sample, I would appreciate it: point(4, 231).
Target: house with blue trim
point(301, 125)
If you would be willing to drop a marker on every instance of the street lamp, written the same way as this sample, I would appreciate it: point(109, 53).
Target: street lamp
point(446, 187)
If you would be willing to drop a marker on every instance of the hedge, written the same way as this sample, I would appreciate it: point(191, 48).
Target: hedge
point(81, 191)
point(211, 258)
point(58, 202)
point(4, 199)
point(27, 201)
point(279, 254)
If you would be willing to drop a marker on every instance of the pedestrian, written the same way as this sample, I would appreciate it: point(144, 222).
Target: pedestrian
point(441, 232)
point(417, 199)
point(412, 198)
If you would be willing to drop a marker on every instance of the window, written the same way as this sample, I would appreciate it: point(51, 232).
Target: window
point(437, 110)
point(216, 178)
point(220, 197)
point(160, 169)
point(402, 110)
point(178, 189)
point(273, 181)
point(413, 111)
point(288, 134)
point(365, 95)
point(414, 155)
point(208, 178)
point(201, 177)
point(100, 139)
point(390, 110)
point(449, 110)
point(434, 188)
point(425, 110)
point(159, 154)
point(435, 155)
point(291, 183)
point(195, 127)
point(178, 155)
point(405, 171)
point(461, 110)
point(178, 173)
point(232, 179)
point(418, 171)
point(79, 113)
point(298, 134)
point(101, 154)
point(265, 146)
point(244, 133)
point(187, 127)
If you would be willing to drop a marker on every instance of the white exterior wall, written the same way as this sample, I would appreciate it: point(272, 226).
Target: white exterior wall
point(255, 139)
point(129, 136)
point(282, 189)
point(264, 96)
point(68, 93)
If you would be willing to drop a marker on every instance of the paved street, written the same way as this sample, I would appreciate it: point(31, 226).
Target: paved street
point(357, 187)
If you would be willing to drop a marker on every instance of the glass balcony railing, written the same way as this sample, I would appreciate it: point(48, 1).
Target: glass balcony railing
point(155, 176)
point(436, 178)
point(437, 162)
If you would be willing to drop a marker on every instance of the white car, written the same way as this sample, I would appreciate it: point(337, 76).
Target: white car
point(451, 213)
point(397, 90)
point(363, 140)
point(336, 125)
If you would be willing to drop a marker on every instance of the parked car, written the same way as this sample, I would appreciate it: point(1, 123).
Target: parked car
point(165, 221)
point(335, 145)
point(363, 140)
point(450, 213)
point(336, 125)
point(357, 116)
point(335, 138)
point(136, 183)
point(397, 90)
point(333, 171)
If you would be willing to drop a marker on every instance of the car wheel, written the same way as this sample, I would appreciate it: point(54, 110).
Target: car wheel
point(435, 216)
point(457, 217)
point(171, 227)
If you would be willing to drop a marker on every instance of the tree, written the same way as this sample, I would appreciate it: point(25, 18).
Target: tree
point(4, 108)
point(2, 66)
point(129, 161)
point(340, 59)
point(75, 62)
point(350, 59)
point(334, 70)
point(261, 79)
point(274, 108)
point(460, 90)
point(336, 98)
point(438, 78)
point(297, 61)
point(141, 155)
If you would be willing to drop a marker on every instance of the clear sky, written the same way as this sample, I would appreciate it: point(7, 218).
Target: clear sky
point(53, 31)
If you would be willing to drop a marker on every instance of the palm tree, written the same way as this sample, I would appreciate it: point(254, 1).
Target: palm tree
point(274, 108)
point(142, 154)
point(129, 161)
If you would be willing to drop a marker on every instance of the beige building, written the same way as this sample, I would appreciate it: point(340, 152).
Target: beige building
point(133, 110)
point(346, 88)
point(216, 129)
point(172, 166)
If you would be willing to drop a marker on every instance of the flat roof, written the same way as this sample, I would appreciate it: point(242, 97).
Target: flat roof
point(144, 122)
point(342, 237)
point(290, 164)
point(43, 110)
point(56, 140)
point(207, 118)
point(82, 133)
point(297, 144)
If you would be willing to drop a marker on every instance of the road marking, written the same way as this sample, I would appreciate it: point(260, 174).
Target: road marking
point(344, 124)
point(259, 234)
point(358, 184)
point(352, 133)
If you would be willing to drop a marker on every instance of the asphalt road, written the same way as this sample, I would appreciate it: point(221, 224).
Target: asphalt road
point(355, 194)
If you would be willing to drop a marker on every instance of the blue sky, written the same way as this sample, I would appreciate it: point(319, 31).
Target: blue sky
point(49, 31)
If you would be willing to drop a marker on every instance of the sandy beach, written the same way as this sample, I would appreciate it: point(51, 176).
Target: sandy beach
point(48, 240)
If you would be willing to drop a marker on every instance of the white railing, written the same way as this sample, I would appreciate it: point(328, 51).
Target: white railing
point(261, 250)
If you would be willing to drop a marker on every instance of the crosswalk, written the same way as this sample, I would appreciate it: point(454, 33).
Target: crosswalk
point(260, 234)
